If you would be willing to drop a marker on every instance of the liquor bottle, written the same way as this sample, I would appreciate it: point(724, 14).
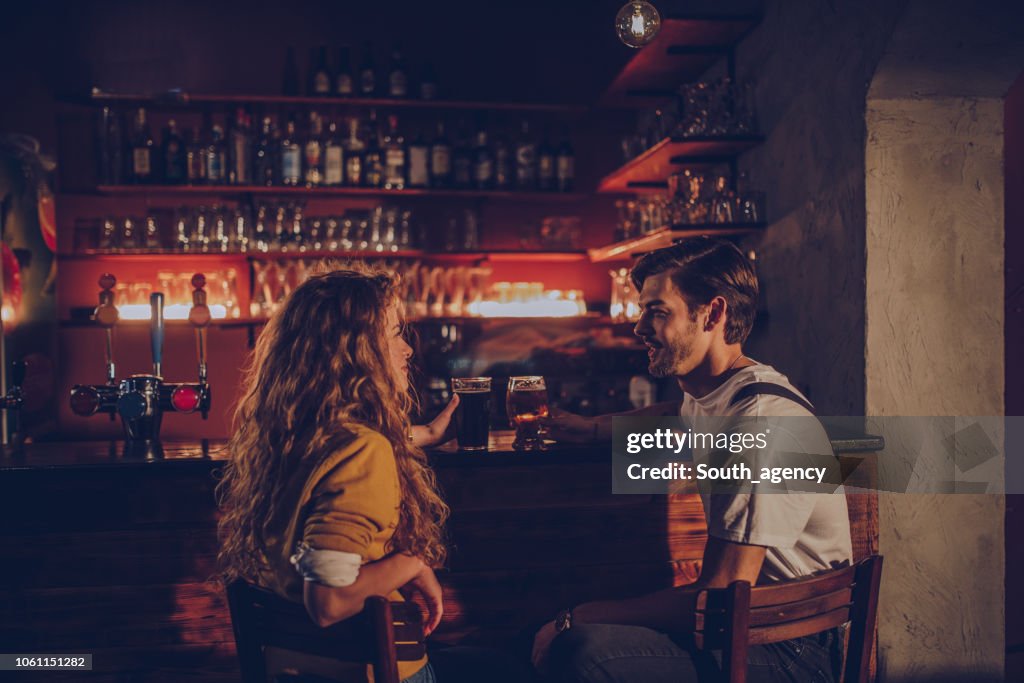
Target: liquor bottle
point(319, 74)
point(343, 84)
point(240, 150)
point(334, 167)
point(264, 156)
point(195, 159)
point(290, 86)
point(419, 162)
point(483, 162)
point(440, 159)
point(291, 156)
point(394, 157)
point(565, 165)
point(354, 149)
point(526, 160)
point(545, 166)
point(398, 79)
point(502, 164)
point(216, 157)
point(373, 158)
point(313, 152)
point(142, 150)
point(367, 74)
point(109, 144)
point(173, 154)
point(428, 83)
point(462, 161)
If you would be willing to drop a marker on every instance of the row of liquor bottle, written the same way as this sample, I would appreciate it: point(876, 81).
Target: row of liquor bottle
point(322, 154)
point(340, 79)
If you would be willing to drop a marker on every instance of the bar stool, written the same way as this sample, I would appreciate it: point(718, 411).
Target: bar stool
point(383, 634)
point(731, 619)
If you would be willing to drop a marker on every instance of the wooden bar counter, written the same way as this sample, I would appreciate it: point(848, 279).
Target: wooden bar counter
point(115, 555)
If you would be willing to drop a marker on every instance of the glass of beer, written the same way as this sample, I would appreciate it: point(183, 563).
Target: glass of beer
point(527, 405)
point(472, 417)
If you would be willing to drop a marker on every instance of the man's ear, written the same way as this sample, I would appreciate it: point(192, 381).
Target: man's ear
point(716, 311)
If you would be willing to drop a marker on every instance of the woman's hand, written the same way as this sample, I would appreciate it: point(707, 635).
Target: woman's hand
point(438, 430)
point(426, 585)
point(564, 426)
point(542, 644)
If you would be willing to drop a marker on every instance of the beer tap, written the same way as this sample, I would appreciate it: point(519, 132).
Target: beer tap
point(13, 401)
point(141, 400)
point(200, 318)
point(106, 317)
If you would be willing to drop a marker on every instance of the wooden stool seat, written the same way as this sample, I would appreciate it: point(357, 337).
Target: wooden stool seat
point(383, 634)
point(731, 619)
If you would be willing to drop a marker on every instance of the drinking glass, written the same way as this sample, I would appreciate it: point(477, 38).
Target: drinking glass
point(472, 417)
point(527, 405)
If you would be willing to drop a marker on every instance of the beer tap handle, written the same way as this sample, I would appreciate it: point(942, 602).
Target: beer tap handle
point(17, 378)
point(13, 399)
point(156, 329)
point(106, 317)
point(200, 318)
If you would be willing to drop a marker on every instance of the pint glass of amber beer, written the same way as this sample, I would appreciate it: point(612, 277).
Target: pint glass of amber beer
point(527, 405)
point(472, 417)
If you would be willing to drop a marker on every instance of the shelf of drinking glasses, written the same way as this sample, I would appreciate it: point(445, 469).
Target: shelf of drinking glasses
point(448, 319)
point(257, 321)
point(175, 99)
point(145, 324)
point(683, 50)
point(666, 237)
point(497, 255)
point(343, 191)
point(648, 172)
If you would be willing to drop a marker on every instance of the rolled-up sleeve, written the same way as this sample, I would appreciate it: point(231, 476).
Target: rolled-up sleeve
point(356, 499)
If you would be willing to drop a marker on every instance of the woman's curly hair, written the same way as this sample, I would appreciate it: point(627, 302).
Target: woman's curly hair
point(319, 368)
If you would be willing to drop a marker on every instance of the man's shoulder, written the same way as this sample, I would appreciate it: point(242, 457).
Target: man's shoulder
point(761, 390)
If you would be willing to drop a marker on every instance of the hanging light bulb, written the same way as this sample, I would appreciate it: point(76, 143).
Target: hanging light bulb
point(637, 23)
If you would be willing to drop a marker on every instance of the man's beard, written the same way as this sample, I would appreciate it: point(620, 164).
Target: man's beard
point(666, 361)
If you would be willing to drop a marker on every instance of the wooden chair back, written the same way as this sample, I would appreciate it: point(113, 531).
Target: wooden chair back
point(383, 634)
point(734, 618)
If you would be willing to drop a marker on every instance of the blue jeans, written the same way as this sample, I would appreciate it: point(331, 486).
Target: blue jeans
point(463, 664)
point(604, 653)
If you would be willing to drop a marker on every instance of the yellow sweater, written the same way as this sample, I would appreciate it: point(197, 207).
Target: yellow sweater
point(348, 502)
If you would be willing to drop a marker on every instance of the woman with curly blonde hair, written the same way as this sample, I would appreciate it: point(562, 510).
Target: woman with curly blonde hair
point(327, 498)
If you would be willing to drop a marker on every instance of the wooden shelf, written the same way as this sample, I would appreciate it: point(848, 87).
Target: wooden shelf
point(216, 323)
point(666, 237)
point(178, 99)
point(683, 50)
point(242, 190)
point(498, 255)
point(648, 172)
point(256, 322)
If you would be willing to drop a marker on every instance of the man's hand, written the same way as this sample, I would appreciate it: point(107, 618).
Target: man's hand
point(426, 585)
point(440, 429)
point(564, 426)
point(542, 644)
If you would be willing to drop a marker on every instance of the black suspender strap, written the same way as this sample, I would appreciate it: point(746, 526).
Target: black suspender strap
point(762, 388)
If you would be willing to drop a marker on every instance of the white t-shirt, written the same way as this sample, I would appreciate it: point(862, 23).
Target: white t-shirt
point(804, 533)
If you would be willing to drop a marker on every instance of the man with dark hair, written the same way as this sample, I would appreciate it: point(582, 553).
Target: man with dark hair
point(698, 301)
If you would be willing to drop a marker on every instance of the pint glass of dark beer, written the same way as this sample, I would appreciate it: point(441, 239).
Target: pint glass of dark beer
point(527, 405)
point(472, 417)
